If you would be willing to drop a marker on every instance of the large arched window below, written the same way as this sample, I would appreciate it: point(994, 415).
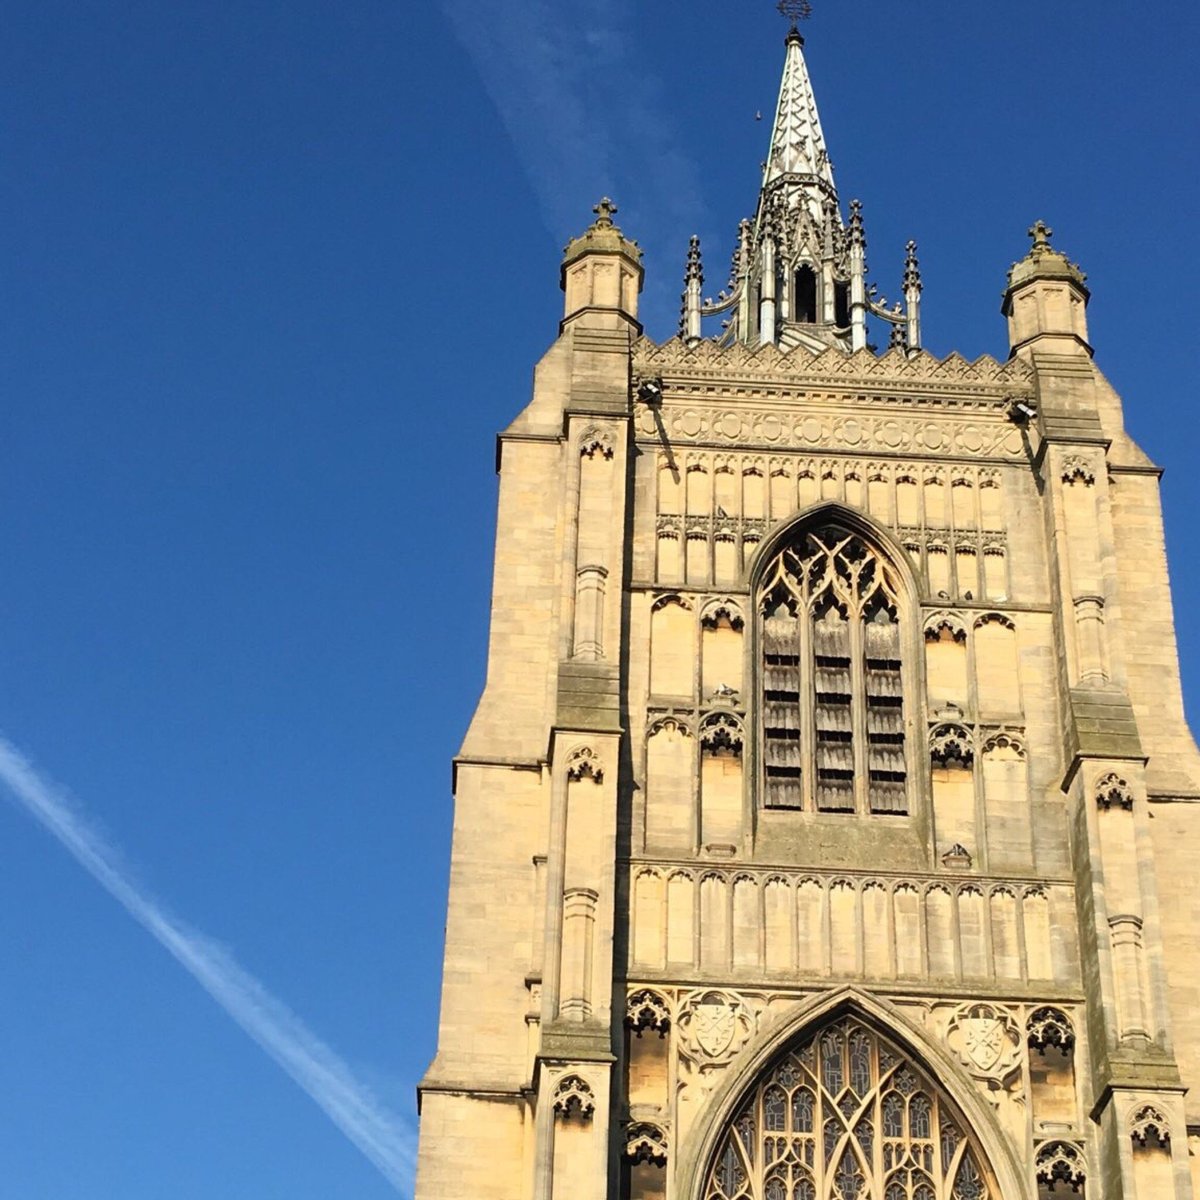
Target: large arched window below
point(831, 700)
point(846, 1116)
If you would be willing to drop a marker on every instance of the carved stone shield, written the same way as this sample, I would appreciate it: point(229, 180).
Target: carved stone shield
point(984, 1041)
point(714, 1024)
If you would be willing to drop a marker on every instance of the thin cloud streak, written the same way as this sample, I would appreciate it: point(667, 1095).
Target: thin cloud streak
point(587, 115)
point(385, 1138)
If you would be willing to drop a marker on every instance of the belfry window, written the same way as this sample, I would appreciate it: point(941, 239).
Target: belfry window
point(806, 295)
point(831, 699)
point(844, 1116)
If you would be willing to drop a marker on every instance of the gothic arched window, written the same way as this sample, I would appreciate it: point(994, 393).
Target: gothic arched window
point(846, 1116)
point(831, 701)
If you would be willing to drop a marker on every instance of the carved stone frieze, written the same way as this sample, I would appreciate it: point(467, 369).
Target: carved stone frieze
point(866, 433)
point(677, 357)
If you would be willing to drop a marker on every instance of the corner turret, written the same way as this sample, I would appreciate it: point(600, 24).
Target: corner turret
point(1046, 300)
point(602, 273)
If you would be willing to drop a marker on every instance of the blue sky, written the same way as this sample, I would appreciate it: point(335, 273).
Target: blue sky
point(249, 256)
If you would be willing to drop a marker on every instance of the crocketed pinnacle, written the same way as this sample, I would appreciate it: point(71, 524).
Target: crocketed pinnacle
point(797, 143)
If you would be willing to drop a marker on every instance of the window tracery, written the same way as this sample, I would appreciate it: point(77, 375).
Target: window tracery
point(1060, 1163)
point(583, 763)
point(832, 696)
point(721, 734)
point(573, 1097)
point(845, 1116)
point(1050, 1027)
point(1148, 1127)
point(1112, 791)
point(647, 1010)
point(646, 1143)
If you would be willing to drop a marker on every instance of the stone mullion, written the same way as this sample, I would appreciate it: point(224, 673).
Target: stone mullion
point(808, 709)
point(858, 713)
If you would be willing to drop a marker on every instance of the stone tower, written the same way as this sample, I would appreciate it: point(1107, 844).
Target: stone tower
point(821, 833)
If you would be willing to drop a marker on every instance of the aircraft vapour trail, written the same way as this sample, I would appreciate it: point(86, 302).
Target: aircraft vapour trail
point(384, 1137)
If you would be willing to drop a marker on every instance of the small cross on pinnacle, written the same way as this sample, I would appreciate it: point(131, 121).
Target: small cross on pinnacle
point(1041, 234)
point(795, 11)
point(604, 213)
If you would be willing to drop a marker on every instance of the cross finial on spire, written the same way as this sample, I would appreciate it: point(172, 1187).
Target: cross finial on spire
point(1041, 234)
point(604, 213)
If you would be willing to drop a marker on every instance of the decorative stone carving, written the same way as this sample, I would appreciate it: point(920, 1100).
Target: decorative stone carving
point(950, 622)
point(646, 1143)
point(986, 1039)
point(900, 434)
point(994, 618)
point(671, 723)
point(950, 744)
point(1061, 1162)
point(720, 610)
point(670, 598)
point(1076, 468)
point(713, 1027)
point(721, 733)
point(585, 762)
point(1148, 1127)
point(573, 1097)
point(1002, 741)
point(1049, 1027)
point(1113, 790)
point(647, 1010)
point(770, 359)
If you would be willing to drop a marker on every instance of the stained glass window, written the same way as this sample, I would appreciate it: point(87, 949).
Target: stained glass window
point(843, 1116)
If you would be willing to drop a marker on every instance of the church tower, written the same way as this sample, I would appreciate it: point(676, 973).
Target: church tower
point(822, 830)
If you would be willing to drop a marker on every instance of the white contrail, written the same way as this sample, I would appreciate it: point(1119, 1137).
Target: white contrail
point(383, 1137)
point(587, 113)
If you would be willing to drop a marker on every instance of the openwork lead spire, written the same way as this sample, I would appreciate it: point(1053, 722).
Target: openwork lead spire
point(799, 273)
point(797, 142)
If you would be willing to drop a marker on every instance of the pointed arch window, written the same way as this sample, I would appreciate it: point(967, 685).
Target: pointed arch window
point(831, 710)
point(846, 1115)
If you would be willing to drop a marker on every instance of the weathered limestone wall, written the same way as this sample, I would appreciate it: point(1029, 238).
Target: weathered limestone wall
point(627, 916)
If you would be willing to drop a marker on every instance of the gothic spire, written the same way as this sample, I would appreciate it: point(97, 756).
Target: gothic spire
point(797, 152)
